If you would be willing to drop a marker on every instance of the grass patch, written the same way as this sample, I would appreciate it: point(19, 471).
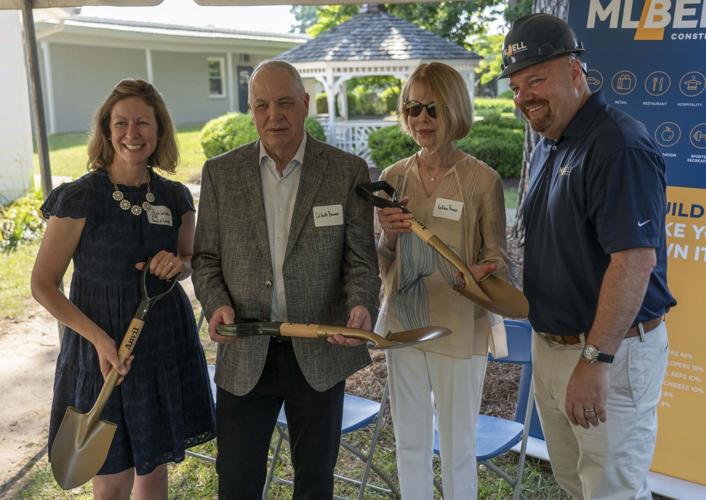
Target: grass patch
point(511, 197)
point(15, 271)
point(68, 155)
point(194, 478)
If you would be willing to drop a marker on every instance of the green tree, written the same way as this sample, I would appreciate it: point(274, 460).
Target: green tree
point(304, 16)
point(452, 20)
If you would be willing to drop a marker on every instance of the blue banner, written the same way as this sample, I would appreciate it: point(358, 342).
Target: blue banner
point(649, 59)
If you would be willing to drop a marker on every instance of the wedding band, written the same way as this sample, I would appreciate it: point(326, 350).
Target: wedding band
point(589, 410)
point(170, 264)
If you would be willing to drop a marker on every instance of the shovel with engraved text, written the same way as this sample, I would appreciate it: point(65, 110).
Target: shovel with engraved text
point(82, 442)
point(493, 293)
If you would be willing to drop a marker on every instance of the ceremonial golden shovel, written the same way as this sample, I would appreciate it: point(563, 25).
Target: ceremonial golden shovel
point(249, 328)
point(493, 293)
point(82, 442)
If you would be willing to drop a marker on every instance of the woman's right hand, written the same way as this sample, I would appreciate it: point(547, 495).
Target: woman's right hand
point(394, 221)
point(108, 358)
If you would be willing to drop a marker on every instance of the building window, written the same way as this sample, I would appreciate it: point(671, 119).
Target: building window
point(216, 77)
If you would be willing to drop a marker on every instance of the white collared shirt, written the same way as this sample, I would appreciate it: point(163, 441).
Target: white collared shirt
point(279, 193)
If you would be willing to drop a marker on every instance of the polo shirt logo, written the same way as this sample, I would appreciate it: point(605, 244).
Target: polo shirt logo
point(566, 170)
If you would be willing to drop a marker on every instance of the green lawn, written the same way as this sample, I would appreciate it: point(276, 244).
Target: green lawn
point(15, 270)
point(68, 157)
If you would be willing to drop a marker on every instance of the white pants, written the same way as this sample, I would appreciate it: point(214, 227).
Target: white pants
point(456, 385)
point(610, 461)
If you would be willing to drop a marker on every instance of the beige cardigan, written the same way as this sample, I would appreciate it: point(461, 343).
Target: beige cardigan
point(480, 234)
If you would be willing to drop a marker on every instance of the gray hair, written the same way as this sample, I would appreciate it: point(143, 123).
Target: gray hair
point(281, 65)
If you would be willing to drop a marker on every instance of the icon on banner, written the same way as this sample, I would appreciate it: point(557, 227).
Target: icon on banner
point(667, 134)
point(657, 83)
point(697, 136)
point(692, 83)
point(594, 79)
point(624, 82)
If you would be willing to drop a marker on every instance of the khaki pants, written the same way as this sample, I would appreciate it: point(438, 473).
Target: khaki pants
point(610, 461)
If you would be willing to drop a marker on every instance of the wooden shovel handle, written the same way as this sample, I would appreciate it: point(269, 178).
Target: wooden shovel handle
point(126, 346)
point(323, 331)
point(433, 241)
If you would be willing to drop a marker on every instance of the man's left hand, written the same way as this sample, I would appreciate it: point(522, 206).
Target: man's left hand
point(359, 317)
point(586, 394)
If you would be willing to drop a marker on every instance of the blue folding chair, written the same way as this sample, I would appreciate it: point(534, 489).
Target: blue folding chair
point(494, 435)
point(358, 412)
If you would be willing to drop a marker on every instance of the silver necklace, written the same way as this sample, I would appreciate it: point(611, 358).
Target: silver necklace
point(125, 203)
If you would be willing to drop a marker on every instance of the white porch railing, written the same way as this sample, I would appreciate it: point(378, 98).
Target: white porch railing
point(352, 135)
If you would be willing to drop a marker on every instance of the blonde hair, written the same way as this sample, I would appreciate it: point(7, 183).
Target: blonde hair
point(100, 149)
point(453, 104)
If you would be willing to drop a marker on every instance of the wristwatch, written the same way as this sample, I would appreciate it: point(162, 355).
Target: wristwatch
point(591, 354)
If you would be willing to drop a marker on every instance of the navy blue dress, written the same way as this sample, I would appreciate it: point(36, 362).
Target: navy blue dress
point(164, 405)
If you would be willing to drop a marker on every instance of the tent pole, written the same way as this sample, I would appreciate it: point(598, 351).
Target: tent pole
point(40, 128)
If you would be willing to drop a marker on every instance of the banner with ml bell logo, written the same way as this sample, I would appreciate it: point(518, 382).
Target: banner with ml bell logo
point(649, 59)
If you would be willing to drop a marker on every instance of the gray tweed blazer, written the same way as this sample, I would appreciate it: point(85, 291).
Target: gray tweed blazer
point(327, 270)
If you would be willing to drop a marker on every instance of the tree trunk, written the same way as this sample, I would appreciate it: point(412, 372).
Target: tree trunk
point(558, 8)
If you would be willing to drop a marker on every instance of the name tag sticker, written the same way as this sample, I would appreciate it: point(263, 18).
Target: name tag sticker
point(448, 209)
point(330, 215)
point(159, 214)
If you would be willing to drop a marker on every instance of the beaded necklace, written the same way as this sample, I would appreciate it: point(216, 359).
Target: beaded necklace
point(125, 204)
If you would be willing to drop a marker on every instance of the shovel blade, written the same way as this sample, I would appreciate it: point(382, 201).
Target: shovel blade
point(80, 448)
point(412, 337)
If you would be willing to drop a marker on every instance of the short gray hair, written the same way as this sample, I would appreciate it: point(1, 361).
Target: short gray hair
point(276, 64)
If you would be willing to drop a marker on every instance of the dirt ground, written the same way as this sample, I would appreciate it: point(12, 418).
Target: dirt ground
point(29, 346)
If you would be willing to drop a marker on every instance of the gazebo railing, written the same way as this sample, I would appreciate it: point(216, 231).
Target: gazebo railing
point(352, 135)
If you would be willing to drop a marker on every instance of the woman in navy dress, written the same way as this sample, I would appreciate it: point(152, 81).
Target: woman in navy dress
point(109, 222)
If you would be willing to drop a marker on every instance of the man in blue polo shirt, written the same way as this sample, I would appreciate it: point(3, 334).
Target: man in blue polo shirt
point(594, 267)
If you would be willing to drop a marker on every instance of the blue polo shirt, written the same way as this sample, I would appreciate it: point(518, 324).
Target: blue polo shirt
point(599, 189)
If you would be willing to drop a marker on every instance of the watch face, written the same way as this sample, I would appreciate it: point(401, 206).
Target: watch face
point(590, 353)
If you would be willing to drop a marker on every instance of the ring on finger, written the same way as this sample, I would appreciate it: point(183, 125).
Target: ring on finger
point(589, 410)
point(170, 264)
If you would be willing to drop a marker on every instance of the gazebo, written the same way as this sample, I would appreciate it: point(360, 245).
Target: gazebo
point(372, 43)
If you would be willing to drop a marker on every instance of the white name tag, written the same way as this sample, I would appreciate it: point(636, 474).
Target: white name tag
point(330, 215)
point(159, 214)
point(448, 209)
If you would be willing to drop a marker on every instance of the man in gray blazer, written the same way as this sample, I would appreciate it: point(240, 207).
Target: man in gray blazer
point(282, 235)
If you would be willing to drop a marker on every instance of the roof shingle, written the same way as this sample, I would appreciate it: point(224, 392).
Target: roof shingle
point(375, 36)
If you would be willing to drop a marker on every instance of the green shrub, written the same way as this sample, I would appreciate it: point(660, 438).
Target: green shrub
point(390, 97)
point(21, 221)
point(227, 132)
point(508, 94)
point(499, 105)
point(500, 148)
point(390, 144)
point(315, 129)
point(321, 103)
point(235, 129)
point(497, 120)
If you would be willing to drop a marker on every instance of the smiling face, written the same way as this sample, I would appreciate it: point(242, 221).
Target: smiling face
point(549, 94)
point(424, 129)
point(133, 132)
point(279, 107)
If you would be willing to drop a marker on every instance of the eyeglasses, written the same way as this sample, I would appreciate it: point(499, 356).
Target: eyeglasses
point(414, 108)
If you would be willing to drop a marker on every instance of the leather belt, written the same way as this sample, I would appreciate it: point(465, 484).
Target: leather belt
point(634, 331)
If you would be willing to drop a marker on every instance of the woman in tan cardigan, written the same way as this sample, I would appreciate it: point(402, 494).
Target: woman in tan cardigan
point(460, 199)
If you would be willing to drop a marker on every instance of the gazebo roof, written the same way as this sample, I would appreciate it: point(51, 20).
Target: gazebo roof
point(374, 35)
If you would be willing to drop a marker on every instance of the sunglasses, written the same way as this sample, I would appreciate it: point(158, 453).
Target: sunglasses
point(414, 108)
